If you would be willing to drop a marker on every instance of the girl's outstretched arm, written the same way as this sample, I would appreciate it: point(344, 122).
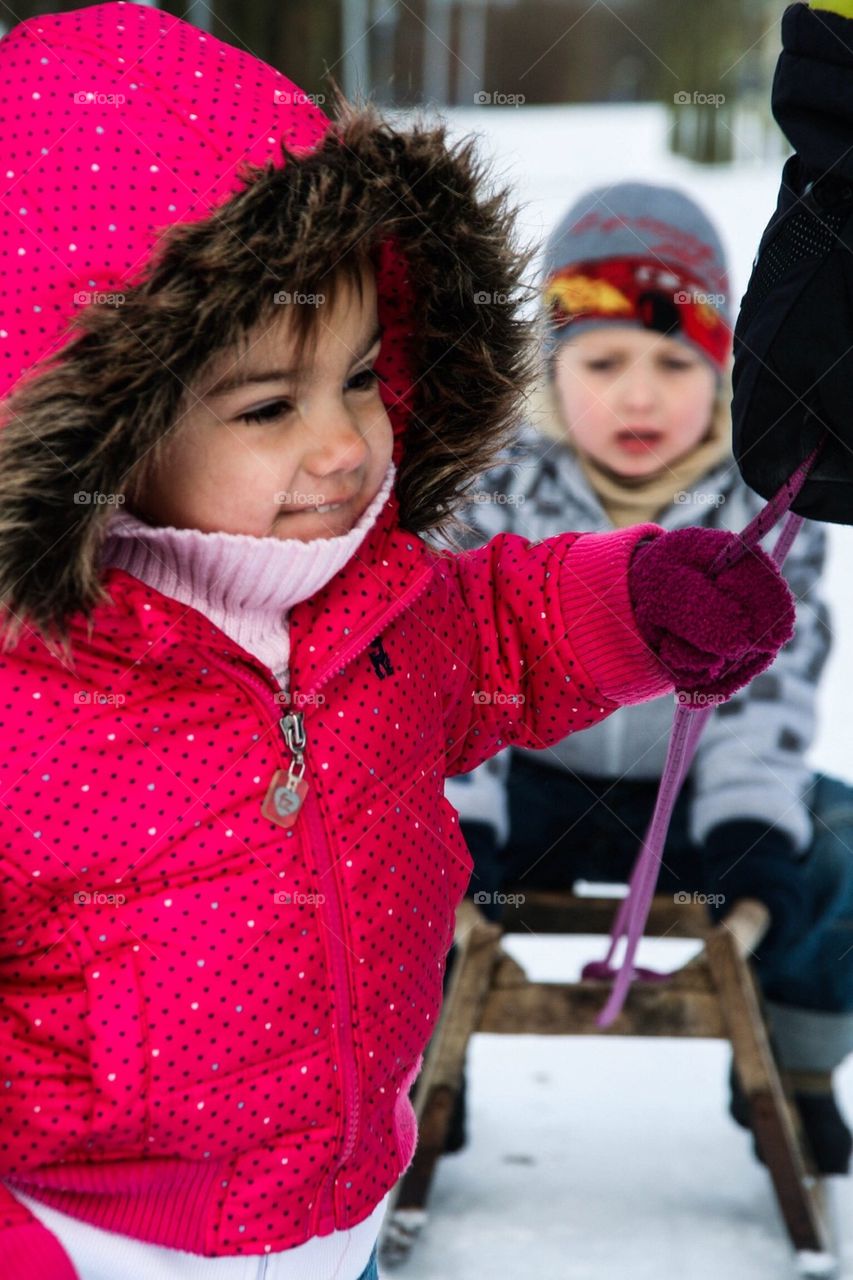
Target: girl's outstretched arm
point(540, 641)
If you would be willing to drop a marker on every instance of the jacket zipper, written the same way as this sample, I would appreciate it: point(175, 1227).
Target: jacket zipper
point(292, 727)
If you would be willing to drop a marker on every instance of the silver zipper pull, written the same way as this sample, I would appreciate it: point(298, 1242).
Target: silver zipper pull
point(287, 791)
point(293, 728)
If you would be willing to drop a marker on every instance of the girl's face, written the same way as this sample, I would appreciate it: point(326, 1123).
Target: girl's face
point(262, 448)
point(634, 401)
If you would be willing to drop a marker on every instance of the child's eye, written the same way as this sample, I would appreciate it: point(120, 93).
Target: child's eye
point(267, 412)
point(600, 366)
point(673, 362)
point(364, 380)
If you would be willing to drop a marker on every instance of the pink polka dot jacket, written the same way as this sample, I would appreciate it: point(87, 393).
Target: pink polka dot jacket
point(214, 1003)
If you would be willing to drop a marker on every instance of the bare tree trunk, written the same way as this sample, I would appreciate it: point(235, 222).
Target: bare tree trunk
point(703, 51)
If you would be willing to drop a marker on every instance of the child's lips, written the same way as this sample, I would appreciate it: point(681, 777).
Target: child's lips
point(639, 440)
point(317, 508)
point(320, 510)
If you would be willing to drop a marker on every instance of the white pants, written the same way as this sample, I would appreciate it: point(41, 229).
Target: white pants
point(107, 1255)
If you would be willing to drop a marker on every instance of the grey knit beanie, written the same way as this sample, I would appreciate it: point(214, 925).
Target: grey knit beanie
point(638, 254)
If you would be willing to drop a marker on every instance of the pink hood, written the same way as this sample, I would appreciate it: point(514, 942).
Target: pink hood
point(121, 98)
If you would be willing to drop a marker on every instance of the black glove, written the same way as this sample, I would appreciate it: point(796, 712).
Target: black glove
point(746, 859)
point(793, 368)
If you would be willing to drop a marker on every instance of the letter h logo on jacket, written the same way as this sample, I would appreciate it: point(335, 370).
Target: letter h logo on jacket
point(381, 662)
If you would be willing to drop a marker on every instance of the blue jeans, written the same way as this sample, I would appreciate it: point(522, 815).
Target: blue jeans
point(564, 828)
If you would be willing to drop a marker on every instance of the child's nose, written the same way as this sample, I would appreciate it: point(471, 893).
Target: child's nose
point(637, 389)
point(336, 446)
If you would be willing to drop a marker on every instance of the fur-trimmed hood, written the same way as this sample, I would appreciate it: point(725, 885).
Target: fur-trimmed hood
point(187, 187)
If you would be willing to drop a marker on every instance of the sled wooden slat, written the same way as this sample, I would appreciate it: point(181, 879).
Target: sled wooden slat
point(546, 1008)
point(544, 912)
point(714, 995)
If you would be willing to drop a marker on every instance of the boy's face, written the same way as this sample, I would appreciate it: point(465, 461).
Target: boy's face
point(259, 458)
point(634, 401)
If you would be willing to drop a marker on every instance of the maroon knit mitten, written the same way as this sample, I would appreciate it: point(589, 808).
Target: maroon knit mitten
point(713, 633)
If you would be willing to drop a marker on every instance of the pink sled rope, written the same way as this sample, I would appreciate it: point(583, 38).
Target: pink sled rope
point(688, 724)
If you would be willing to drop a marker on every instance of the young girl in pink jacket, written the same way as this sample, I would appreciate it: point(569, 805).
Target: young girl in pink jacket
point(248, 356)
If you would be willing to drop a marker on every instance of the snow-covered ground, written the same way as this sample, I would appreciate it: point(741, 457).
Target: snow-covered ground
point(603, 1158)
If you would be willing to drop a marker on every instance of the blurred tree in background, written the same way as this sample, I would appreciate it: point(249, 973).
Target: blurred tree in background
point(728, 51)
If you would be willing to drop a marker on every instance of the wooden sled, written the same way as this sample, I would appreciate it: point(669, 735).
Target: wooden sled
point(713, 995)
